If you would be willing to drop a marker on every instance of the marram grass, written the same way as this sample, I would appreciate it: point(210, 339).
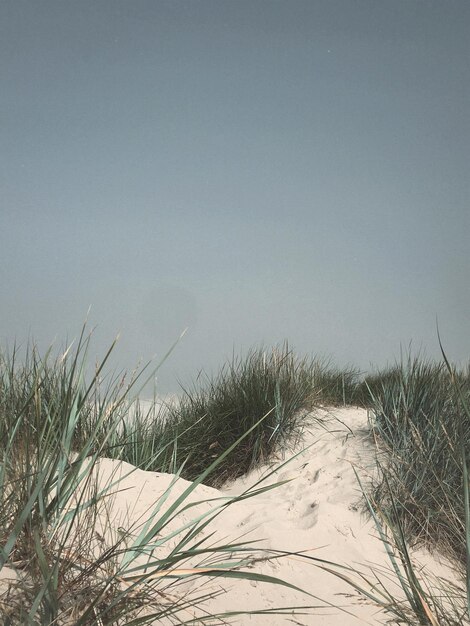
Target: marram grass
point(55, 425)
point(421, 423)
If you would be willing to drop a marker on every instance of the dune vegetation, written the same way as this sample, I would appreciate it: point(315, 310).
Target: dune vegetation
point(56, 423)
point(421, 427)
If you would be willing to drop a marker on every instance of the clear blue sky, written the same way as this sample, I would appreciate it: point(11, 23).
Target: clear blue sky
point(252, 170)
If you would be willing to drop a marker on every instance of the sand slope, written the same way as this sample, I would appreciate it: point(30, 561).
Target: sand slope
point(317, 511)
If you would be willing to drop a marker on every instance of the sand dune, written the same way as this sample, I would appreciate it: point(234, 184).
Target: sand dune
point(319, 511)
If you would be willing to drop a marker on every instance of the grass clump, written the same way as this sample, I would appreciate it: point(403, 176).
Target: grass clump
point(422, 423)
point(266, 393)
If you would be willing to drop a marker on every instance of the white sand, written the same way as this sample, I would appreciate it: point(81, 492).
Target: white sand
point(318, 511)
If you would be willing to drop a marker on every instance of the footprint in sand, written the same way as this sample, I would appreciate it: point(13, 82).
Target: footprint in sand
point(310, 516)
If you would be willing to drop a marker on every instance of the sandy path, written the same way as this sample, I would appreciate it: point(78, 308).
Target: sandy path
point(319, 511)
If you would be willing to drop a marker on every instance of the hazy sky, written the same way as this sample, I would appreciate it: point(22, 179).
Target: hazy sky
point(252, 170)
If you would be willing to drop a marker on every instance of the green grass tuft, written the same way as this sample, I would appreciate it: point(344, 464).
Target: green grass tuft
point(273, 389)
point(421, 422)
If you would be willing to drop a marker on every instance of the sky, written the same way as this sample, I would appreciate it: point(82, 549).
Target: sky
point(254, 171)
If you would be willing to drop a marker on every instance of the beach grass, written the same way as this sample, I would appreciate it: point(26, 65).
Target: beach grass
point(57, 424)
point(421, 424)
point(215, 412)
point(420, 419)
